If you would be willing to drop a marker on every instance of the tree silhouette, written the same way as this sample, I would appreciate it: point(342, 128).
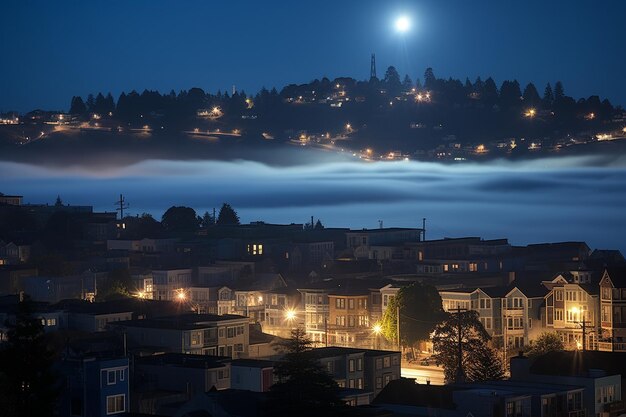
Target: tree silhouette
point(78, 106)
point(430, 81)
point(392, 81)
point(180, 220)
point(303, 387)
point(227, 215)
point(407, 84)
point(546, 342)
point(559, 91)
point(420, 310)
point(531, 95)
point(548, 96)
point(484, 364)
point(27, 383)
point(446, 342)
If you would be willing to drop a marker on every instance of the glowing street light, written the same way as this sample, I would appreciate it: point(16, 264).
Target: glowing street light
point(290, 315)
point(377, 329)
point(530, 113)
point(180, 295)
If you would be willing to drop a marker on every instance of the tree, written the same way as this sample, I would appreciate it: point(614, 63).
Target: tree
point(78, 106)
point(27, 383)
point(392, 81)
point(180, 220)
point(118, 285)
point(303, 387)
point(559, 91)
point(227, 215)
point(207, 220)
point(447, 344)
point(420, 309)
point(548, 96)
point(407, 84)
point(429, 79)
point(546, 342)
point(318, 225)
point(490, 92)
point(484, 364)
point(531, 95)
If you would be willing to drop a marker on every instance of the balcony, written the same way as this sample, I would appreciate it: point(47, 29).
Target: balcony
point(612, 346)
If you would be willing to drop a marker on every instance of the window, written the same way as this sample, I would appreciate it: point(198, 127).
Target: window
point(340, 303)
point(110, 377)
point(379, 363)
point(238, 347)
point(51, 322)
point(351, 366)
point(359, 383)
point(387, 361)
point(223, 374)
point(379, 382)
point(558, 295)
point(606, 293)
point(558, 314)
point(351, 383)
point(121, 374)
point(230, 332)
point(359, 364)
point(116, 404)
point(351, 303)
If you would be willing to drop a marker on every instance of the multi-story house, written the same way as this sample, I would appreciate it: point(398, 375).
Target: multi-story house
point(316, 309)
point(95, 386)
point(206, 334)
point(349, 318)
point(225, 301)
point(572, 309)
point(612, 337)
point(381, 244)
point(170, 283)
point(345, 365)
point(283, 312)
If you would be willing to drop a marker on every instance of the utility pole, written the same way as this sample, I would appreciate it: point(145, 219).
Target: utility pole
point(121, 203)
point(460, 374)
point(423, 228)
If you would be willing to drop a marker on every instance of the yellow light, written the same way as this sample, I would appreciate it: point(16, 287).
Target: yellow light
point(377, 328)
point(141, 294)
point(348, 126)
point(369, 151)
point(578, 345)
point(290, 314)
point(530, 113)
point(575, 310)
point(181, 296)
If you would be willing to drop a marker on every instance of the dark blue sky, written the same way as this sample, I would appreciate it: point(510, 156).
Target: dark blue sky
point(51, 50)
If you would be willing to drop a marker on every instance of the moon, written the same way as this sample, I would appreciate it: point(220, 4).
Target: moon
point(403, 24)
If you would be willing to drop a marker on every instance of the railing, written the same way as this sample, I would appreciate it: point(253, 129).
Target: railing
point(612, 346)
point(578, 413)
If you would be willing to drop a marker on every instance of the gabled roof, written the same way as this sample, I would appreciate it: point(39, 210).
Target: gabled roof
point(617, 276)
point(406, 391)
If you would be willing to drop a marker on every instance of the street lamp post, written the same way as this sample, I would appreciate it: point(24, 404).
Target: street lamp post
point(377, 330)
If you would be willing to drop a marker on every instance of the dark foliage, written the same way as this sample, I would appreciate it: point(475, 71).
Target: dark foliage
point(27, 383)
point(180, 221)
point(227, 215)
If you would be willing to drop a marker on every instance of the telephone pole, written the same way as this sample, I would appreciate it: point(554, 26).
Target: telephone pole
point(460, 374)
point(122, 205)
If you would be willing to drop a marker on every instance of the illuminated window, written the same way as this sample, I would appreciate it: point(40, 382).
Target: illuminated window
point(116, 404)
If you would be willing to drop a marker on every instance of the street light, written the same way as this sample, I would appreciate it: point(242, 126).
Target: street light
point(180, 295)
point(377, 329)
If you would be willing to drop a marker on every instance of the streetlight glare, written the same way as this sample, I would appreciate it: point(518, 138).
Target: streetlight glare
point(403, 24)
point(290, 314)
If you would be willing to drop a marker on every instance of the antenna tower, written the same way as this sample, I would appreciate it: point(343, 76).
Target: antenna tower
point(373, 68)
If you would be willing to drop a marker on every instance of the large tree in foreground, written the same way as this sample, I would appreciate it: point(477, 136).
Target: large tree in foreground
point(420, 310)
point(27, 383)
point(484, 364)
point(303, 387)
point(459, 339)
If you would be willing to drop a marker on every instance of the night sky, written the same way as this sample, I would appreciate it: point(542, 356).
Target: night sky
point(52, 50)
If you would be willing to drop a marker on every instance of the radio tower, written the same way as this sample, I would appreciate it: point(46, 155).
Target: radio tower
point(373, 68)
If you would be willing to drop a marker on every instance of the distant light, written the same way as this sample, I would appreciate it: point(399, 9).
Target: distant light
point(403, 24)
point(290, 314)
point(377, 329)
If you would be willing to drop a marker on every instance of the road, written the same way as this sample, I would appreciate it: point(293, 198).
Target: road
point(422, 374)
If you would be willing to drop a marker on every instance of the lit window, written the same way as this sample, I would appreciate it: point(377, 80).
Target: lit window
point(110, 377)
point(116, 404)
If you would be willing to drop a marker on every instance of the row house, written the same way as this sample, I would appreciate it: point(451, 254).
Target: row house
point(205, 334)
point(511, 315)
point(612, 336)
point(170, 283)
point(12, 253)
point(381, 244)
point(344, 315)
point(572, 309)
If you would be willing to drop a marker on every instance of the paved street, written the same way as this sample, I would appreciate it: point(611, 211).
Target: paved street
point(422, 374)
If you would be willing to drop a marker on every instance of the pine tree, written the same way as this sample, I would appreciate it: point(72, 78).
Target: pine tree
point(78, 106)
point(407, 84)
point(27, 383)
point(303, 387)
point(559, 91)
point(227, 215)
point(548, 96)
point(484, 364)
point(429, 79)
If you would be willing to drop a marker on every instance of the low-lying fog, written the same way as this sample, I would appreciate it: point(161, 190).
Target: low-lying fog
point(572, 198)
